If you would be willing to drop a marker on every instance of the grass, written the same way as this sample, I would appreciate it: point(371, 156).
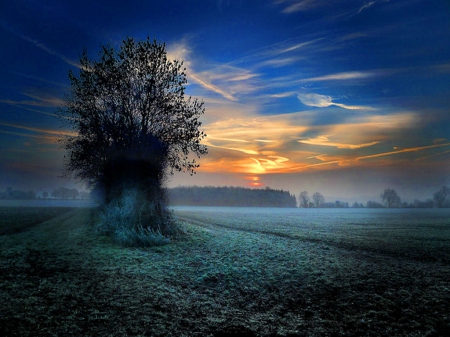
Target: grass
point(230, 276)
point(17, 219)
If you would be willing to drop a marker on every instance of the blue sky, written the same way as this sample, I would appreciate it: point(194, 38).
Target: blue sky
point(342, 97)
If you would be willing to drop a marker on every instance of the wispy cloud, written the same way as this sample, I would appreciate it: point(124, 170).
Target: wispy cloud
point(38, 101)
point(406, 150)
point(366, 5)
point(37, 130)
point(292, 6)
point(323, 101)
point(39, 44)
point(345, 76)
point(225, 80)
point(213, 88)
point(371, 3)
point(324, 141)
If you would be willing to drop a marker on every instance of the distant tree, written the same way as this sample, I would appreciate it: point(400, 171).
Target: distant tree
point(318, 199)
point(20, 195)
point(84, 195)
point(390, 198)
point(230, 196)
point(441, 196)
point(73, 193)
point(30, 194)
point(357, 205)
point(45, 194)
point(374, 204)
point(61, 193)
point(303, 199)
point(423, 204)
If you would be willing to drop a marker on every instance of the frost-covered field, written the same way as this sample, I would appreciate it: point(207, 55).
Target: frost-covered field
point(238, 272)
point(418, 232)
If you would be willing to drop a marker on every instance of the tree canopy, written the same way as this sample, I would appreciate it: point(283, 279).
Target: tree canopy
point(441, 196)
point(390, 198)
point(130, 118)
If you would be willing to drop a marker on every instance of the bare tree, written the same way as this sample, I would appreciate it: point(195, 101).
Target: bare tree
point(318, 199)
point(391, 198)
point(303, 199)
point(441, 195)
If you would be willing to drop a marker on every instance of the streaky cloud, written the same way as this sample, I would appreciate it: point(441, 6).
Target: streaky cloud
point(350, 75)
point(213, 88)
point(324, 101)
point(293, 6)
point(366, 5)
point(324, 141)
point(412, 149)
point(39, 44)
point(38, 130)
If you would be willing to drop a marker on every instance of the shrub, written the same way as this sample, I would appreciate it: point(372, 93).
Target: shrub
point(133, 221)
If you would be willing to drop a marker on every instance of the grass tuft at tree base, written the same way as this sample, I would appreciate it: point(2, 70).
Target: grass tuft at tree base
point(132, 221)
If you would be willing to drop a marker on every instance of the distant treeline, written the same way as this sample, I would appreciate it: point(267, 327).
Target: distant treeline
point(17, 194)
point(230, 196)
point(59, 193)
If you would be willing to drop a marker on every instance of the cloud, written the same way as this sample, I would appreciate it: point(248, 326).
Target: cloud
point(350, 75)
point(252, 144)
point(213, 88)
point(223, 79)
point(39, 44)
point(38, 130)
point(315, 100)
point(323, 101)
point(46, 102)
point(278, 63)
point(292, 6)
point(324, 141)
point(366, 5)
point(45, 139)
point(413, 149)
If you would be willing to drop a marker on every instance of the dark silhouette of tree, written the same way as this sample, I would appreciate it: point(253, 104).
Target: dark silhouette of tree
point(18, 194)
point(131, 121)
point(423, 204)
point(73, 193)
point(61, 193)
point(45, 194)
point(230, 196)
point(374, 204)
point(318, 199)
point(441, 195)
point(303, 199)
point(391, 198)
point(84, 195)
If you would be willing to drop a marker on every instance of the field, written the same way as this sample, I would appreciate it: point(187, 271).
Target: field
point(239, 271)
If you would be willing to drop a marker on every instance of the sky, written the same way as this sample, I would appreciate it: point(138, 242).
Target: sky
point(345, 97)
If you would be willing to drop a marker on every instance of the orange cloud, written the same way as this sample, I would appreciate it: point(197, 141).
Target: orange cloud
point(266, 144)
point(413, 149)
point(324, 141)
